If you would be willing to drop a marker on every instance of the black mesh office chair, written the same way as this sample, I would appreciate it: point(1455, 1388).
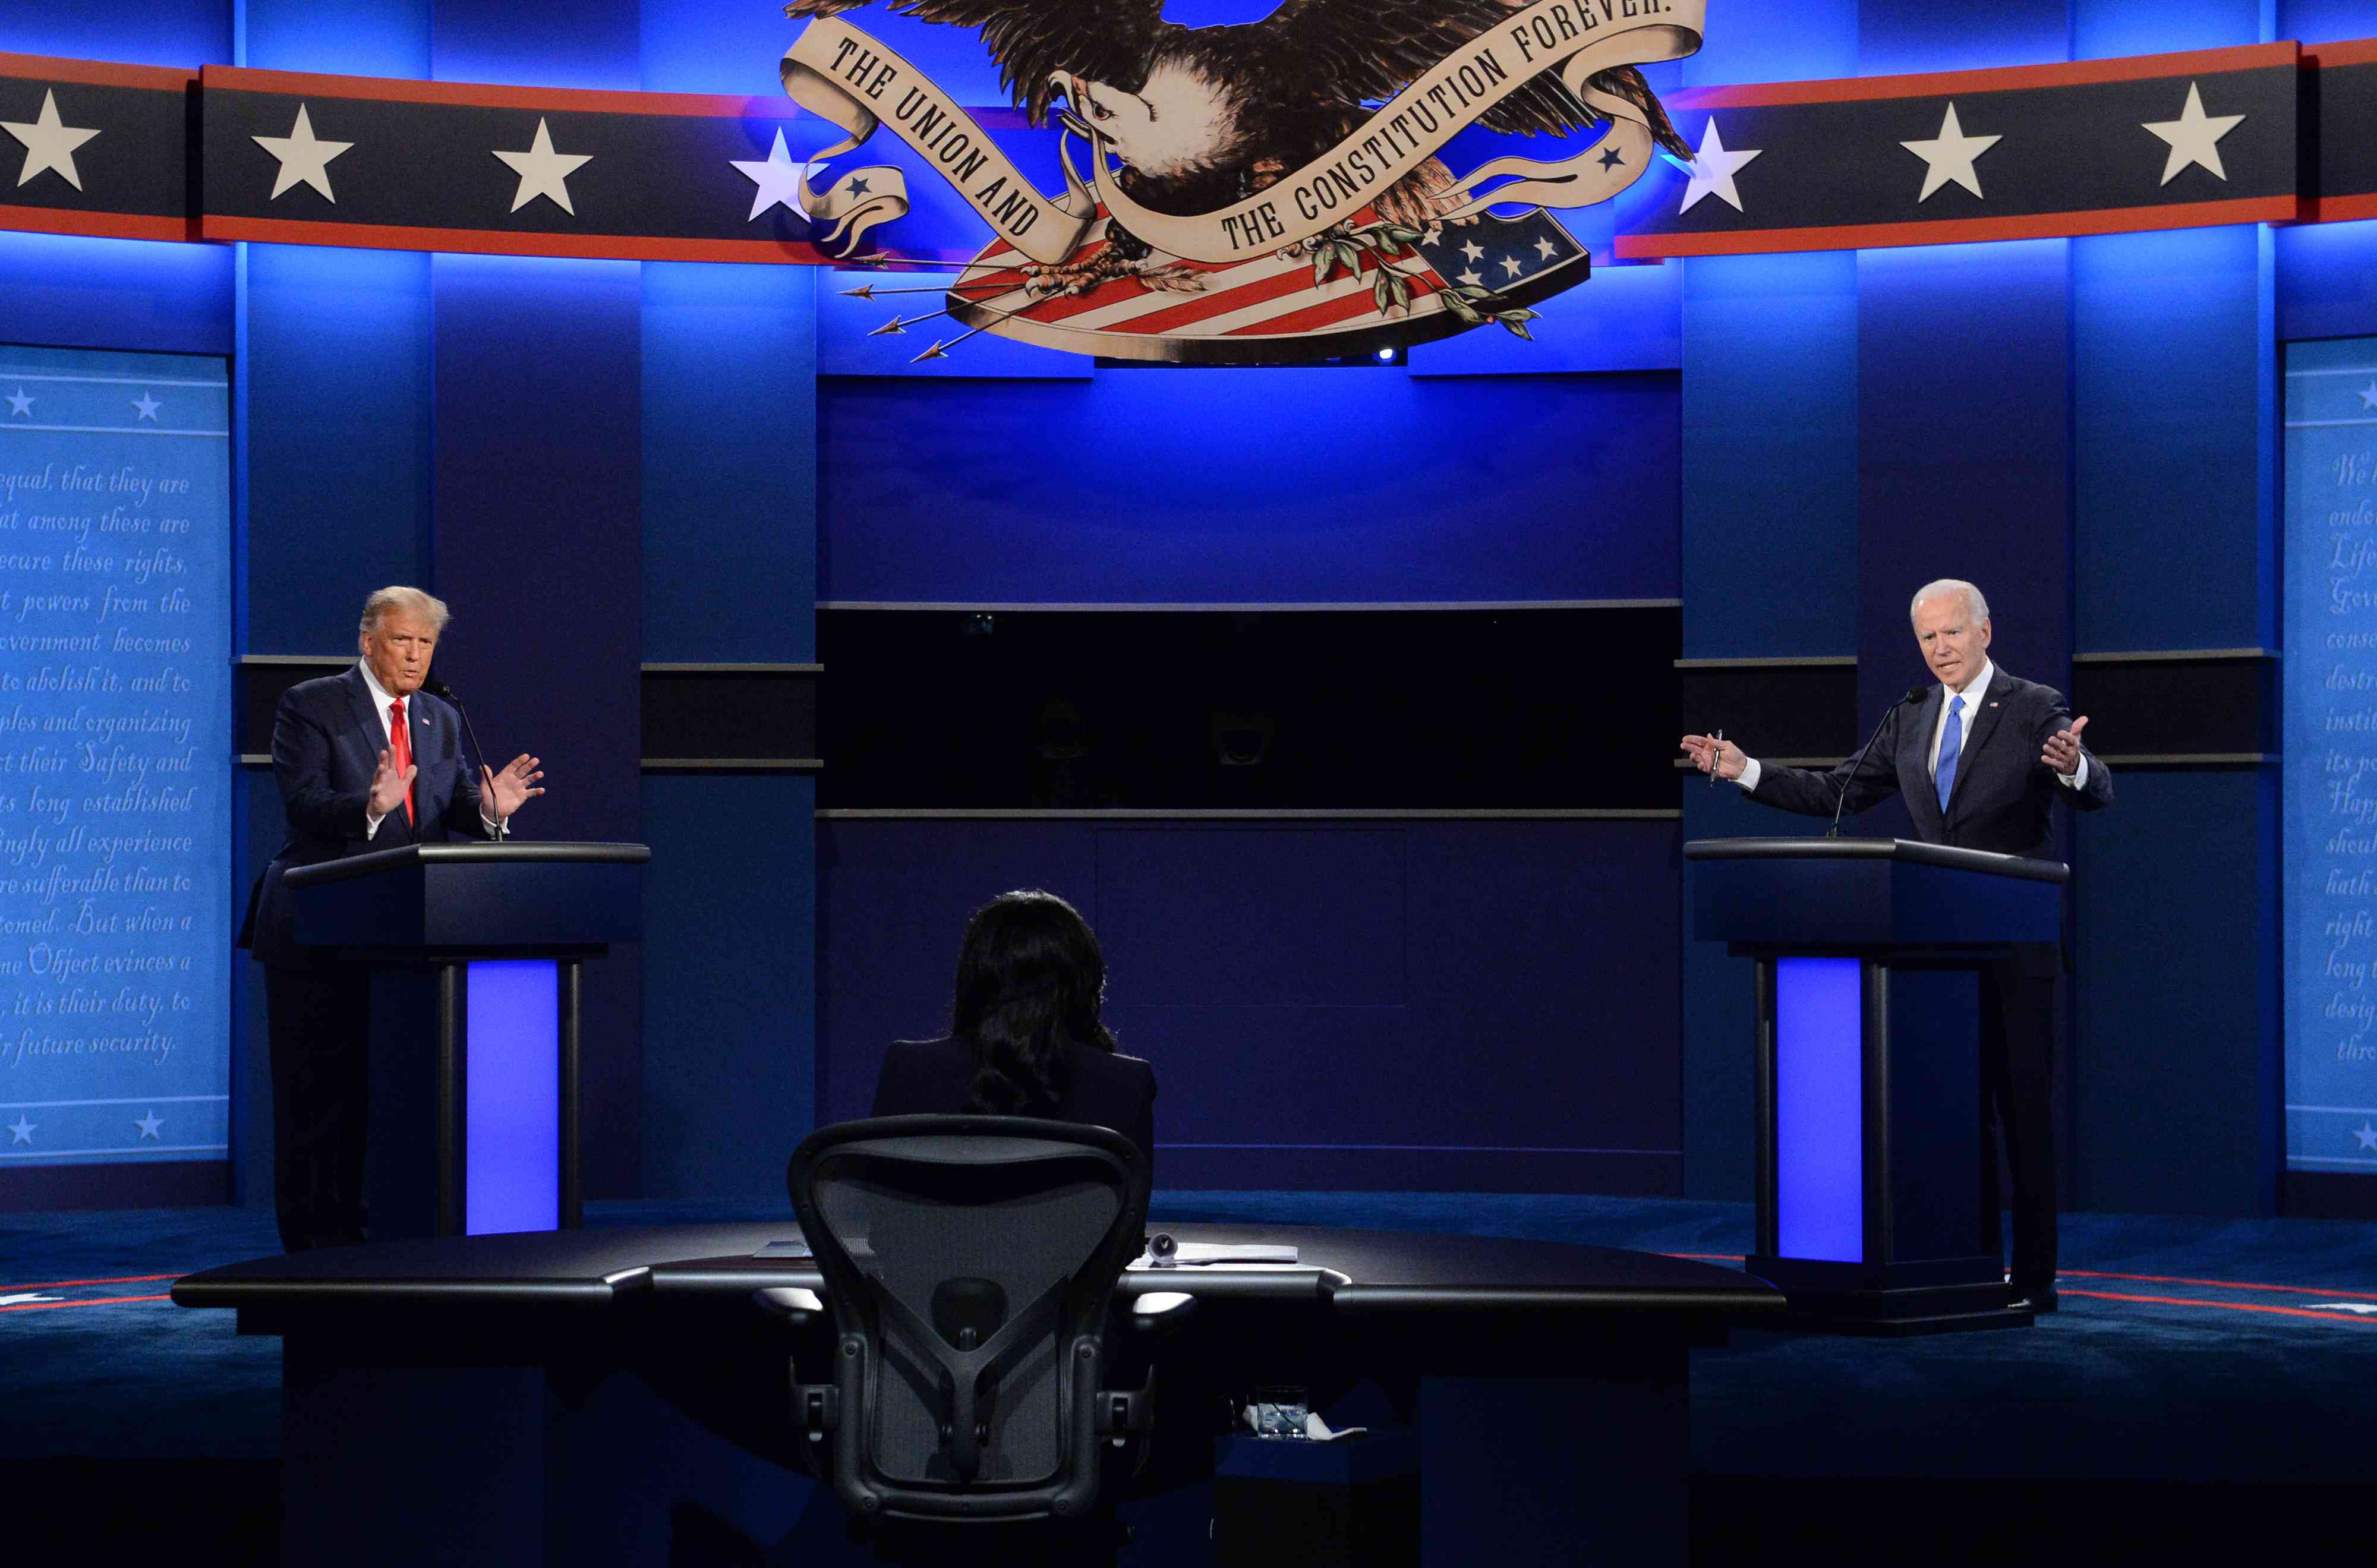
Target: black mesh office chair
point(968, 1264)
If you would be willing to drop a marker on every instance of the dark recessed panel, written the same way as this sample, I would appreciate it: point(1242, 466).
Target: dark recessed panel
point(753, 715)
point(1428, 709)
point(1777, 710)
point(2178, 706)
point(258, 688)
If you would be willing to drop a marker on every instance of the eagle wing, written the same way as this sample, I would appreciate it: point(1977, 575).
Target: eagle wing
point(1103, 40)
point(1372, 49)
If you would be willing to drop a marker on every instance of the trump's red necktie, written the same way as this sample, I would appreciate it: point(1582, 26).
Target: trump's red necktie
point(400, 746)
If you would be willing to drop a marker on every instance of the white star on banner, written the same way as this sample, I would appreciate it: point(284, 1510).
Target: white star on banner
point(544, 171)
point(1471, 278)
point(147, 406)
point(49, 143)
point(2367, 1134)
point(2194, 136)
point(1473, 250)
point(304, 160)
point(2367, 395)
point(1546, 249)
point(149, 1125)
point(22, 1129)
point(1713, 169)
point(1511, 265)
point(778, 177)
point(20, 404)
point(1949, 156)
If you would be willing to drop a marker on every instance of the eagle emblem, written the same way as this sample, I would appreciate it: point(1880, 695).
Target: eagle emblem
point(1272, 190)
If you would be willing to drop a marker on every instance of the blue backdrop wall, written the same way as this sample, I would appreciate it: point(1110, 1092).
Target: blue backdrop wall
point(1783, 482)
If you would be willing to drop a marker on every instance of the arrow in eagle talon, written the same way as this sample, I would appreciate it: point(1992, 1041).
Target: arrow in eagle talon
point(868, 291)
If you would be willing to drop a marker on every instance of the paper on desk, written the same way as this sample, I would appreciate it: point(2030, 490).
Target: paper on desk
point(798, 1249)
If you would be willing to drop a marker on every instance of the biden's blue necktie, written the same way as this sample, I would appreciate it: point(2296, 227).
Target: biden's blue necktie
point(1952, 746)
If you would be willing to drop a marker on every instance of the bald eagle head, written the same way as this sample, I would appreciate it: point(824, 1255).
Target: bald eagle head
point(1180, 123)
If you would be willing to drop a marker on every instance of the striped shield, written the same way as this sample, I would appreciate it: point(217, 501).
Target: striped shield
point(1324, 300)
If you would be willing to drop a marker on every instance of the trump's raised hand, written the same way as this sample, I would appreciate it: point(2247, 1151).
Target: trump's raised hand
point(513, 787)
point(389, 785)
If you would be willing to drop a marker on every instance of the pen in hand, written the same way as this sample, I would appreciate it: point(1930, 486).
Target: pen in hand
point(1716, 759)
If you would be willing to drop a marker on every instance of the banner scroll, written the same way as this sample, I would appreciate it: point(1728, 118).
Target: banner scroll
point(835, 71)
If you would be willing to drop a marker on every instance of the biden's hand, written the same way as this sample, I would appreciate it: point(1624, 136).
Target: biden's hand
point(2063, 753)
point(1711, 754)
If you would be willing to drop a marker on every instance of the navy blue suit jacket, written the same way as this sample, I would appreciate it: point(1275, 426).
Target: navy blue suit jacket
point(2003, 797)
point(325, 745)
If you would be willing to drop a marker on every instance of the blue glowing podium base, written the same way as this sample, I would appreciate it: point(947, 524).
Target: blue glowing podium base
point(474, 952)
point(1869, 955)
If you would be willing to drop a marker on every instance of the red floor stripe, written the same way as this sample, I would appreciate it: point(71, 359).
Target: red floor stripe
point(2219, 1284)
point(96, 1301)
point(2141, 1279)
point(2223, 1306)
point(63, 1284)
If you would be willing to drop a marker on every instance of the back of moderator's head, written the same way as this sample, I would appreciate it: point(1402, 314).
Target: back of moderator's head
point(1031, 979)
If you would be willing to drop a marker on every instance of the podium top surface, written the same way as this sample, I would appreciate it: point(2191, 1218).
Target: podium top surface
point(381, 861)
point(1983, 862)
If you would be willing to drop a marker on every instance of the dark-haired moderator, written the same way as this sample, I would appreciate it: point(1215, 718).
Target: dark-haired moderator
point(1025, 1038)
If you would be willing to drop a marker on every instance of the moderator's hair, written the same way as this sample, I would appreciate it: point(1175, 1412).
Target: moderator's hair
point(400, 600)
point(1977, 607)
point(1030, 982)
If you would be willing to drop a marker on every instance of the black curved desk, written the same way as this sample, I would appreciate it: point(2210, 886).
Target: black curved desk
point(594, 1396)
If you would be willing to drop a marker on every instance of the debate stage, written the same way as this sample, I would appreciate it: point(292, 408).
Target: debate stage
point(2203, 1377)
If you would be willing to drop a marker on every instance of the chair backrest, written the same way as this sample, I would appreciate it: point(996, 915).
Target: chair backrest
point(968, 1261)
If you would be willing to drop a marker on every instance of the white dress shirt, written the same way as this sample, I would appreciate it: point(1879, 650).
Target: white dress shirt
point(1972, 694)
point(380, 704)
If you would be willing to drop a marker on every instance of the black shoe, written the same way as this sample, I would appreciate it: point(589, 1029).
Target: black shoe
point(2041, 1301)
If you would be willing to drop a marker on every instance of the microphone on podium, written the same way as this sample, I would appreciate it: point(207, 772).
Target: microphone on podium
point(1913, 694)
point(437, 688)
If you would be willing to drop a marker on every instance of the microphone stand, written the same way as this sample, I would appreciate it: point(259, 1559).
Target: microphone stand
point(1913, 694)
point(440, 690)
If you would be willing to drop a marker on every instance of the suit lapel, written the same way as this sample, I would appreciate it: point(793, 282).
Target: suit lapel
point(372, 727)
point(373, 732)
point(424, 732)
point(1923, 804)
point(1985, 724)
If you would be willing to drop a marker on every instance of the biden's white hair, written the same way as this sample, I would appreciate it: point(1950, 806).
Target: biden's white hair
point(402, 600)
point(1976, 609)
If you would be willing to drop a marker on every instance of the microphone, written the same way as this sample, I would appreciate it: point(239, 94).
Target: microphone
point(1913, 694)
point(437, 688)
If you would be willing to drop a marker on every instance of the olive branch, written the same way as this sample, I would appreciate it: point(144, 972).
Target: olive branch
point(1389, 243)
